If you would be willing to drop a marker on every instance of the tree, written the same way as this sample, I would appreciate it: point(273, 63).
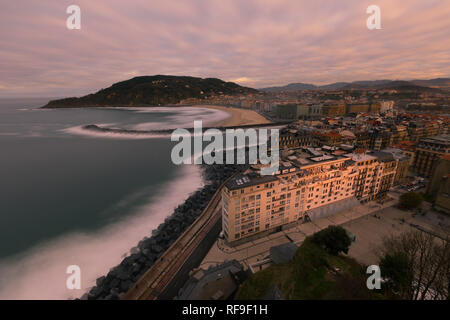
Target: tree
point(396, 269)
point(411, 200)
point(427, 276)
point(334, 239)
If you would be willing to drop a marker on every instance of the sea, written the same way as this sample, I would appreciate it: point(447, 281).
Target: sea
point(70, 196)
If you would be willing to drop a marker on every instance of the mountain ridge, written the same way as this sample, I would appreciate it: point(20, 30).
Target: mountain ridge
point(437, 83)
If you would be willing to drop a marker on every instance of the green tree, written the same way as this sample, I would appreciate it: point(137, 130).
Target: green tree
point(396, 269)
point(334, 239)
point(411, 200)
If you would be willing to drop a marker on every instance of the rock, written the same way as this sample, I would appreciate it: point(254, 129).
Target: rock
point(100, 281)
point(134, 250)
point(125, 285)
point(157, 248)
point(114, 283)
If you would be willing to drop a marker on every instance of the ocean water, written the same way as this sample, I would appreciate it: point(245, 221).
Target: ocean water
point(71, 197)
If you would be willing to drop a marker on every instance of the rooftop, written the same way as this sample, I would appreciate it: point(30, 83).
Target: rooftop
point(444, 139)
point(245, 180)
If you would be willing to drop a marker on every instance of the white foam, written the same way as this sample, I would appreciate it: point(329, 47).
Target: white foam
point(184, 118)
point(80, 130)
point(40, 272)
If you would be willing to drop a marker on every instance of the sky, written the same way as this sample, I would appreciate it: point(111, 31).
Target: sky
point(256, 43)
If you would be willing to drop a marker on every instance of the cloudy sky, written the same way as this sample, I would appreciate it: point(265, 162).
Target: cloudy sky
point(256, 43)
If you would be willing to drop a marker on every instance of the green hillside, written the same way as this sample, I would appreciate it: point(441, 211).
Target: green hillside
point(153, 91)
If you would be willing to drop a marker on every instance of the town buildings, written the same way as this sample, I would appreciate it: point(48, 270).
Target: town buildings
point(439, 184)
point(428, 152)
point(310, 183)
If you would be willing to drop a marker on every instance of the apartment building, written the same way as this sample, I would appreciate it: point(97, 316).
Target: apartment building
point(429, 151)
point(311, 183)
point(294, 138)
point(403, 164)
point(439, 185)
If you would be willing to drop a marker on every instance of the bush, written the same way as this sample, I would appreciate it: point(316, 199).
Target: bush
point(411, 200)
point(333, 239)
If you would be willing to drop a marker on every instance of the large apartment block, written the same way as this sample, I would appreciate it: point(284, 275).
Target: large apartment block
point(310, 183)
point(429, 151)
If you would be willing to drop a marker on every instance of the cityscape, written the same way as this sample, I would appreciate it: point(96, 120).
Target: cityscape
point(225, 156)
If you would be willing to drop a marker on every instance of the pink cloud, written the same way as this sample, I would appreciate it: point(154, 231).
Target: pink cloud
point(265, 42)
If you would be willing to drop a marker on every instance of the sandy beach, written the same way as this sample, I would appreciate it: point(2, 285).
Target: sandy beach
point(238, 116)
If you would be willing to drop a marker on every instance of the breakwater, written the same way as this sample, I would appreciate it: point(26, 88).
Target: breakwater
point(121, 277)
point(97, 128)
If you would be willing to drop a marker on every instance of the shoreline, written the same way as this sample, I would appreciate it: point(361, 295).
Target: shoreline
point(121, 277)
point(237, 116)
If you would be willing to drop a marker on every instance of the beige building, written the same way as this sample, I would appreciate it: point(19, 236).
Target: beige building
point(310, 184)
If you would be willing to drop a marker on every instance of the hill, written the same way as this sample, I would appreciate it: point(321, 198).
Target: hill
point(153, 91)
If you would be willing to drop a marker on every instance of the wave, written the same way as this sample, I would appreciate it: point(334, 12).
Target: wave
point(82, 131)
point(184, 117)
point(40, 273)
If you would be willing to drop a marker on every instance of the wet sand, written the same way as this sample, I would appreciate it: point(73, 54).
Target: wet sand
point(238, 116)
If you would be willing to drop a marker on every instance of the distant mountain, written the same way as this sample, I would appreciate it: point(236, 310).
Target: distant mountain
point(333, 86)
point(439, 83)
point(291, 87)
point(153, 91)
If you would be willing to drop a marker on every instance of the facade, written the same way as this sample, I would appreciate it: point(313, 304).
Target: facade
point(310, 184)
point(403, 164)
point(429, 151)
point(380, 138)
point(357, 108)
point(387, 107)
point(295, 138)
point(399, 133)
point(439, 184)
point(333, 110)
point(442, 201)
point(289, 111)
